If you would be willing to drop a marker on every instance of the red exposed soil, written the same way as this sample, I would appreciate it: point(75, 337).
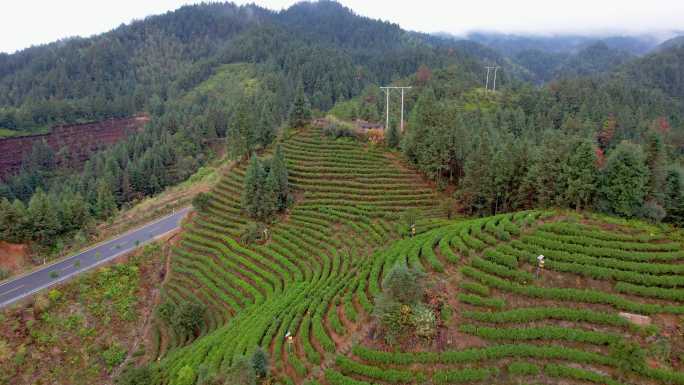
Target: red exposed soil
point(81, 140)
point(13, 256)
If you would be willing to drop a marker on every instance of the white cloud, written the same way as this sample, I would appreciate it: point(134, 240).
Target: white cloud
point(27, 22)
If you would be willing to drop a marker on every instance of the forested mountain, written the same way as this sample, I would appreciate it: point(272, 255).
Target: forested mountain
point(280, 266)
point(174, 67)
point(555, 145)
point(662, 69)
point(511, 45)
point(676, 41)
point(541, 59)
point(116, 73)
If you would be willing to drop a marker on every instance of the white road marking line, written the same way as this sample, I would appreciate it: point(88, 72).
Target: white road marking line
point(11, 290)
point(66, 268)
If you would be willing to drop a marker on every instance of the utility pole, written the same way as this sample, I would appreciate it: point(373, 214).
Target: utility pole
point(387, 91)
point(489, 68)
point(401, 122)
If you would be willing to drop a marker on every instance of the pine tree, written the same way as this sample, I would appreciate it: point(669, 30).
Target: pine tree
point(674, 196)
point(279, 167)
point(301, 110)
point(43, 218)
point(580, 175)
point(105, 204)
point(424, 117)
point(13, 220)
point(392, 139)
point(624, 181)
point(251, 196)
point(477, 184)
point(656, 159)
point(269, 197)
point(260, 363)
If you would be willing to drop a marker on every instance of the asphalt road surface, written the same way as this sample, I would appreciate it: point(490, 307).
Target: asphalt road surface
point(23, 286)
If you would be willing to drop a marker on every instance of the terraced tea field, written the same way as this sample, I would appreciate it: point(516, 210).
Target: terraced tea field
point(562, 326)
point(317, 276)
point(314, 278)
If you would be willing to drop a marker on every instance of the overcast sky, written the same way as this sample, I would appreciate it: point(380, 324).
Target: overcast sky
point(28, 22)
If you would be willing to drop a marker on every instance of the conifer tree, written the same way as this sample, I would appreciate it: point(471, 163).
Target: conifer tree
point(392, 139)
point(105, 204)
point(260, 363)
point(13, 220)
point(43, 217)
point(656, 159)
point(301, 110)
point(674, 196)
point(279, 167)
point(580, 175)
point(269, 197)
point(477, 185)
point(624, 181)
point(251, 196)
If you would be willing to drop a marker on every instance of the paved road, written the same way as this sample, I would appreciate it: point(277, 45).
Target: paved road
point(49, 275)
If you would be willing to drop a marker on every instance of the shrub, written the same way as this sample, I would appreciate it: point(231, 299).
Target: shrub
point(54, 295)
point(242, 372)
point(476, 300)
point(630, 356)
point(201, 201)
point(253, 232)
point(338, 130)
point(114, 355)
point(184, 319)
point(447, 313)
point(41, 303)
point(542, 333)
point(475, 287)
point(562, 371)
point(523, 369)
point(186, 376)
point(5, 351)
point(393, 376)
point(189, 317)
point(135, 375)
point(425, 322)
point(652, 212)
point(165, 312)
point(404, 285)
point(260, 363)
point(462, 375)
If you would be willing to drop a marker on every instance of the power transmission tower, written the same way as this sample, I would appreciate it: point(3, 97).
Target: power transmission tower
point(489, 68)
point(387, 91)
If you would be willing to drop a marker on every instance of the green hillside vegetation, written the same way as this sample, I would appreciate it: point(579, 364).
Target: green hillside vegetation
point(514, 326)
point(309, 275)
point(594, 143)
point(81, 331)
point(327, 275)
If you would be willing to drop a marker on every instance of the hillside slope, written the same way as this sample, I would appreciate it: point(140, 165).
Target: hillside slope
point(511, 324)
point(310, 278)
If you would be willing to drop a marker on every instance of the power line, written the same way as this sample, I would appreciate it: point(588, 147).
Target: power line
point(387, 91)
